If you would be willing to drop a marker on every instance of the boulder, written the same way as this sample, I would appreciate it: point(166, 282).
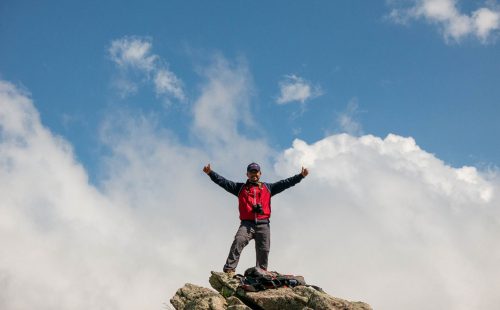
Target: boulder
point(193, 297)
point(228, 295)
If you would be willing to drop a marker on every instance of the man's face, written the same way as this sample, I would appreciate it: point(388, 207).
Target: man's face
point(253, 175)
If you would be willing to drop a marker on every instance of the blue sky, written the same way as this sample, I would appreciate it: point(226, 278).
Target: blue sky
point(109, 111)
point(408, 79)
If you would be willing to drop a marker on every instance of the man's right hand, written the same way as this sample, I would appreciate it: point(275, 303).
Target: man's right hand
point(207, 169)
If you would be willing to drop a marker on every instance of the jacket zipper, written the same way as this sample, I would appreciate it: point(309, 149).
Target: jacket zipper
point(255, 203)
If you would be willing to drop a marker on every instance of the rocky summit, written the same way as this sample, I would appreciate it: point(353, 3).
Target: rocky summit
point(226, 294)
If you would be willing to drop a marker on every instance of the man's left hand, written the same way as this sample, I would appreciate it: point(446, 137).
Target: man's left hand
point(304, 172)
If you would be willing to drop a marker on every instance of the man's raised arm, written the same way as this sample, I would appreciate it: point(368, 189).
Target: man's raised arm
point(280, 186)
point(228, 185)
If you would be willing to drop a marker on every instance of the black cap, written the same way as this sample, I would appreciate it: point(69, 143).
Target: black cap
point(253, 166)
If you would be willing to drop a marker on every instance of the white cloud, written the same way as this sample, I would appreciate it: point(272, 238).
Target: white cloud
point(485, 21)
point(225, 101)
point(134, 53)
point(167, 83)
point(67, 244)
point(223, 110)
point(347, 120)
point(294, 88)
point(388, 218)
point(455, 25)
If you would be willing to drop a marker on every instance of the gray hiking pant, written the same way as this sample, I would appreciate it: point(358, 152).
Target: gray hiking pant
point(247, 231)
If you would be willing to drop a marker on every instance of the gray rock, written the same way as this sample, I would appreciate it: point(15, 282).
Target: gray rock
point(233, 298)
point(233, 303)
point(276, 299)
point(224, 283)
point(193, 297)
point(321, 300)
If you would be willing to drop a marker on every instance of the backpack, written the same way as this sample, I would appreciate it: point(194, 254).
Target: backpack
point(256, 279)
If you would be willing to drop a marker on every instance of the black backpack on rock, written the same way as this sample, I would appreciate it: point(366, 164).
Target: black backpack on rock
point(256, 279)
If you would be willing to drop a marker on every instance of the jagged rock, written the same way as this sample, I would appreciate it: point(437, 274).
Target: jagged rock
point(224, 283)
point(299, 298)
point(274, 299)
point(193, 297)
point(233, 303)
point(233, 298)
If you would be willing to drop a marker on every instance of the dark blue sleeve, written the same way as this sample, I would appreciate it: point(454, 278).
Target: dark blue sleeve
point(228, 185)
point(278, 187)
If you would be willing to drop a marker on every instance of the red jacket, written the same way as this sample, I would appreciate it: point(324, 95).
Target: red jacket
point(249, 196)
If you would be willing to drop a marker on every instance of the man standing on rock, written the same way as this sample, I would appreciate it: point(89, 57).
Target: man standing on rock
point(254, 198)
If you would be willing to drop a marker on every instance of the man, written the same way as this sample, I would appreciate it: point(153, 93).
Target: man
point(254, 202)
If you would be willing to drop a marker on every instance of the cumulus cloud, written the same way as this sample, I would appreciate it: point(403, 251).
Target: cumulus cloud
point(125, 244)
point(390, 219)
point(485, 21)
point(67, 244)
point(294, 88)
point(482, 23)
point(394, 224)
point(134, 53)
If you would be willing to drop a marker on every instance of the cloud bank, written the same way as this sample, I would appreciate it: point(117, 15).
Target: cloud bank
point(482, 23)
point(67, 244)
point(377, 219)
